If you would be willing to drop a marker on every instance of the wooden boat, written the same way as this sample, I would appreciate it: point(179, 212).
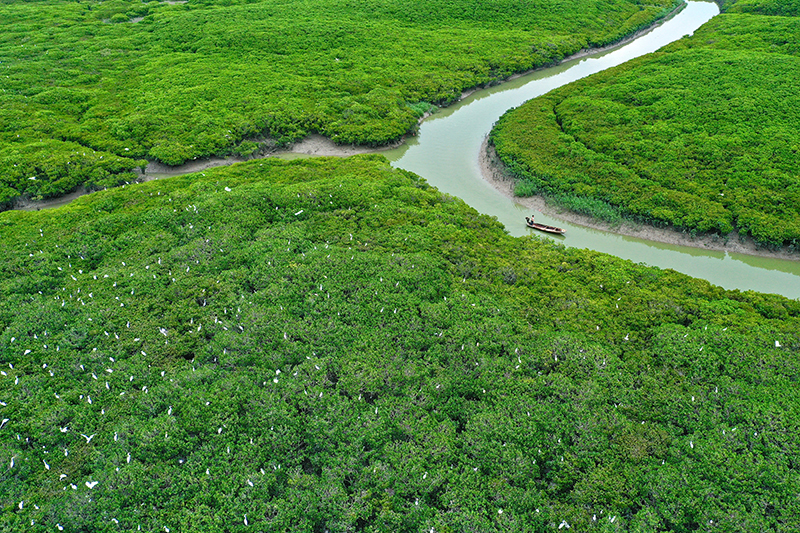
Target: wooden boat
point(543, 227)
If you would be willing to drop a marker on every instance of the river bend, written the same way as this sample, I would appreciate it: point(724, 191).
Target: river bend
point(445, 153)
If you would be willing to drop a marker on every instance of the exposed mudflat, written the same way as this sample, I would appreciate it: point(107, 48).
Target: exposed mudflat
point(313, 145)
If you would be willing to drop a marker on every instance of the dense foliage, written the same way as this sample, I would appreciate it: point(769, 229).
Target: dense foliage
point(786, 8)
point(702, 136)
point(125, 79)
point(333, 345)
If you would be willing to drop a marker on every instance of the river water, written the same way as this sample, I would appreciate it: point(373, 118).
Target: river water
point(445, 153)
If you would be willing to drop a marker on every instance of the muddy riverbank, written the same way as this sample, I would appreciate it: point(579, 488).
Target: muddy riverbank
point(493, 172)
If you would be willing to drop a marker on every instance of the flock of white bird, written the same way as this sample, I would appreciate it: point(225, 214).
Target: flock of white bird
point(78, 294)
point(82, 294)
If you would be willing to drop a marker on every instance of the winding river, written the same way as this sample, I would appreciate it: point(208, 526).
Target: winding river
point(445, 153)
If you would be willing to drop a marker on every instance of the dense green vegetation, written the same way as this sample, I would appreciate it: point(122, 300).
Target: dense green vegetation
point(702, 136)
point(786, 8)
point(122, 80)
point(332, 345)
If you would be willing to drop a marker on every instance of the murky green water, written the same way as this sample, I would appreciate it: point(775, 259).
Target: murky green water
point(446, 151)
